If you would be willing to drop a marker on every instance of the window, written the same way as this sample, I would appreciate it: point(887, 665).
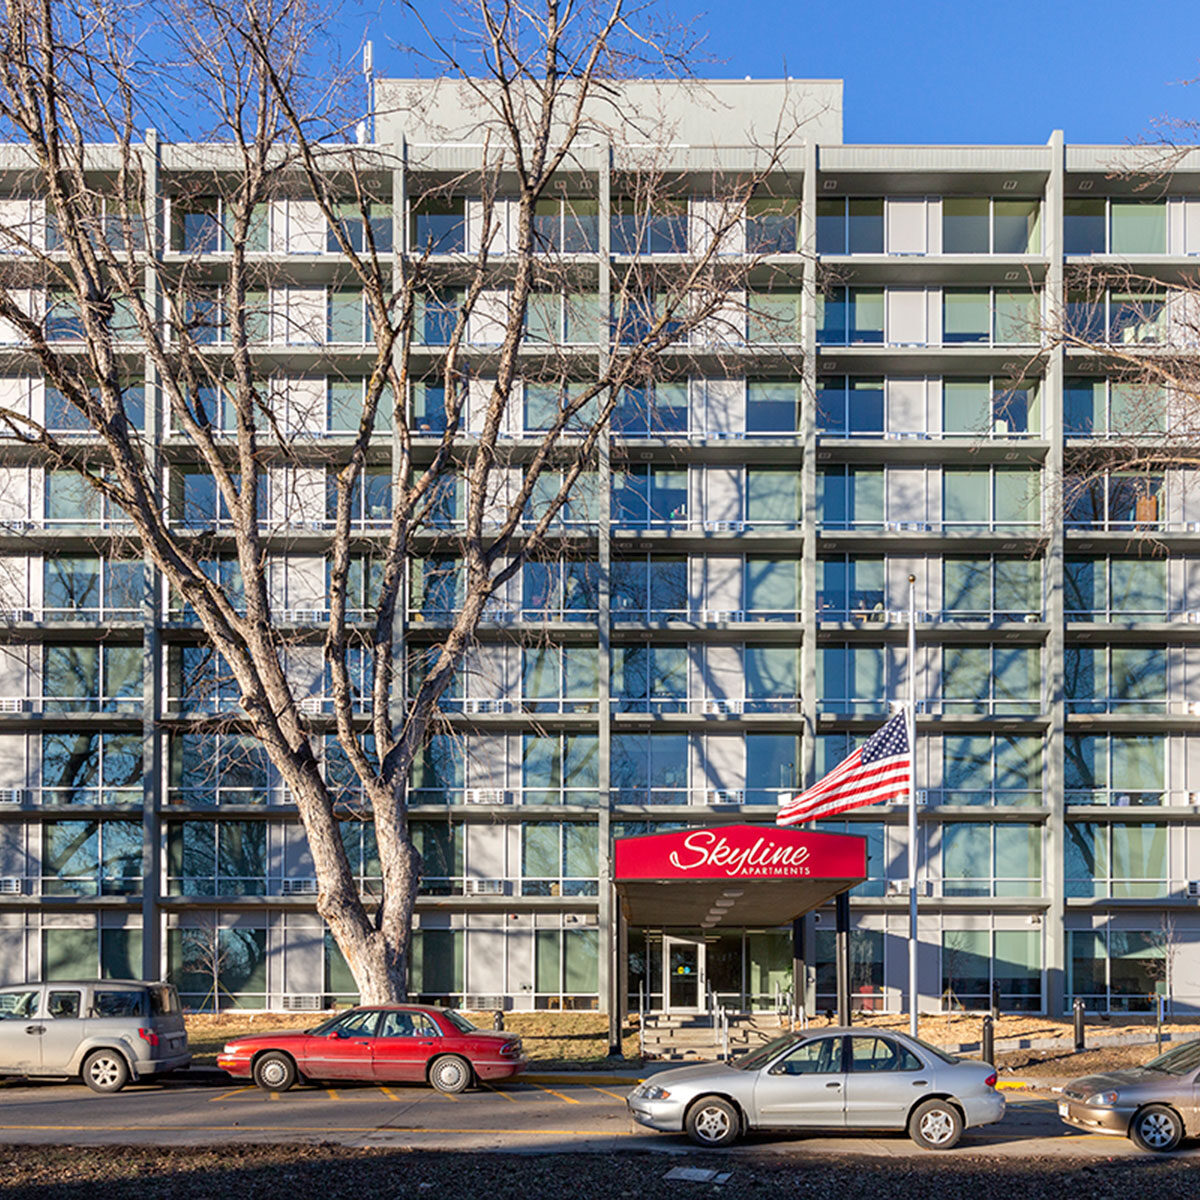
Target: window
point(987, 769)
point(559, 679)
point(772, 225)
point(581, 506)
point(994, 316)
point(1112, 408)
point(648, 497)
point(850, 588)
point(437, 314)
point(371, 497)
point(991, 499)
point(196, 224)
point(991, 588)
point(773, 497)
point(429, 408)
point(850, 316)
point(217, 858)
point(437, 970)
point(850, 407)
point(977, 225)
point(559, 859)
point(1137, 317)
point(560, 768)
point(850, 497)
point(218, 768)
point(566, 590)
point(850, 225)
point(226, 572)
point(1084, 225)
point(1113, 500)
point(650, 589)
point(566, 225)
point(92, 678)
point(1116, 970)
point(82, 588)
point(91, 858)
point(63, 416)
point(772, 589)
point(348, 318)
point(659, 226)
point(1116, 770)
point(987, 408)
point(866, 969)
point(209, 960)
point(344, 405)
point(772, 766)
point(436, 591)
point(822, 1056)
point(1118, 861)
point(655, 409)
point(545, 405)
point(202, 681)
point(437, 774)
point(340, 776)
point(991, 679)
point(981, 967)
point(356, 220)
point(772, 407)
point(985, 859)
point(772, 678)
point(1115, 589)
point(101, 769)
point(650, 679)
point(853, 679)
point(869, 1055)
point(73, 502)
point(197, 502)
point(1095, 225)
point(650, 768)
point(773, 317)
point(566, 968)
point(1125, 679)
point(439, 225)
point(358, 840)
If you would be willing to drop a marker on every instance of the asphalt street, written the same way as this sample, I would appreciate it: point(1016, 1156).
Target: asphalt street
point(524, 1117)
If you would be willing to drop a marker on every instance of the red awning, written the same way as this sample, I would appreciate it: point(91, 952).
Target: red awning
point(733, 875)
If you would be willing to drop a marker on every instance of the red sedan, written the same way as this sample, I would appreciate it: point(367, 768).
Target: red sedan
point(387, 1044)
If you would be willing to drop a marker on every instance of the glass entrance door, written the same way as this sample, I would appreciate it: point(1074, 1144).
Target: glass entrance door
point(683, 974)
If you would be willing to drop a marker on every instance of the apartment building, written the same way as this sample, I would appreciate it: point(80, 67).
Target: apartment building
point(727, 616)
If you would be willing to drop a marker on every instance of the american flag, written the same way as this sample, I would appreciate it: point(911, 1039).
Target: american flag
point(877, 771)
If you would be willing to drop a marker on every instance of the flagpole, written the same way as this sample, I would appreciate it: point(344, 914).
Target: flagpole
point(913, 991)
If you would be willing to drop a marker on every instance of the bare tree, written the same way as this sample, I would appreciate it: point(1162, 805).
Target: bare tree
point(99, 287)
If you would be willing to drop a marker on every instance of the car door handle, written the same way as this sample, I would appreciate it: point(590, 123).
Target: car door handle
point(920, 1083)
point(35, 1029)
point(426, 1043)
point(833, 1085)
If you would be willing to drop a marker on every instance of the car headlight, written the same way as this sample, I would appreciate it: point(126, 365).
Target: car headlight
point(230, 1048)
point(1101, 1099)
point(654, 1093)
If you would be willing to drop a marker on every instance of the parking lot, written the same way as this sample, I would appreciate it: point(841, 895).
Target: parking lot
point(545, 1116)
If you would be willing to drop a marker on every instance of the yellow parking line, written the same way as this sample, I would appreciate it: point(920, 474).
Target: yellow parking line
point(498, 1092)
point(326, 1129)
point(389, 1093)
point(273, 1096)
point(603, 1092)
point(552, 1092)
point(332, 1094)
point(447, 1096)
point(236, 1092)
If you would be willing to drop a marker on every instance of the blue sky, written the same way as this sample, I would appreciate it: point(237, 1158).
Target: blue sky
point(928, 70)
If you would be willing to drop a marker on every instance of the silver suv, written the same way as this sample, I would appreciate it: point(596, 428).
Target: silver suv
point(108, 1031)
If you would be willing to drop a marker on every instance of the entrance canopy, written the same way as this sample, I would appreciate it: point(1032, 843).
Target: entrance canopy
point(733, 875)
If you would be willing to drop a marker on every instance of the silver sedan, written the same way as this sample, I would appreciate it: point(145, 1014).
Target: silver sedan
point(825, 1079)
point(1156, 1105)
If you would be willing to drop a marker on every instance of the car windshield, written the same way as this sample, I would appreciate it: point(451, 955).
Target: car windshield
point(759, 1058)
point(458, 1020)
point(1179, 1061)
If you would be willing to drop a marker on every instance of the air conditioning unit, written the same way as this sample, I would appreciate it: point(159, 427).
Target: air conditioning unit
point(16, 614)
point(9, 704)
point(485, 706)
point(895, 616)
point(481, 1003)
point(714, 616)
point(12, 795)
point(485, 796)
point(922, 798)
point(310, 704)
point(308, 616)
point(298, 887)
point(12, 885)
point(485, 887)
point(899, 887)
point(724, 526)
point(735, 796)
point(293, 1002)
point(1193, 889)
point(501, 616)
point(722, 707)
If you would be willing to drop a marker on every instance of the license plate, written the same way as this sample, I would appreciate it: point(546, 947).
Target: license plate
point(1063, 1109)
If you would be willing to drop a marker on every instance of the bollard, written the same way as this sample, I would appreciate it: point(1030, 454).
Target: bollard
point(989, 1040)
point(497, 1019)
point(1079, 1038)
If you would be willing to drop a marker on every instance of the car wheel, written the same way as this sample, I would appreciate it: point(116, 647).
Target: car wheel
point(713, 1122)
point(1157, 1128)
point(450, 1073)
point(105, 1071)
point(936, 1125)
point(275, 1072)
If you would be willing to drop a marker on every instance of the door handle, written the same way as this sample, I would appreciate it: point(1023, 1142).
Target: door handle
point(833, 1085)
point(35, 1029)
point(920, 1083)
point(426, 1043)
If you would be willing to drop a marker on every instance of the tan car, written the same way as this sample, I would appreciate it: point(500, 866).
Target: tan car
point(1157, 1105)
point(108, 1032)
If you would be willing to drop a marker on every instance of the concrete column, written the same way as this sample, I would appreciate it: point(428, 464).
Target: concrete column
point(842, 926)
point(799, 965)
